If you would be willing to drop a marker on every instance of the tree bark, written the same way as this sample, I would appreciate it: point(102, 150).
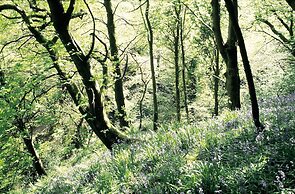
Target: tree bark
point(2, 77)
point(145, 83)
point(77, 140)
point(37, 163)
point(291, 3)
point(216, 81)
point(176, 37)
point(228, 52)
point(119, 92)
point(255, 108)
point(182, 22)
point(151, 53)
point(96, 116)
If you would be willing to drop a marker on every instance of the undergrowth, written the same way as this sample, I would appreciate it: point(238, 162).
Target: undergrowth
point(220, 155)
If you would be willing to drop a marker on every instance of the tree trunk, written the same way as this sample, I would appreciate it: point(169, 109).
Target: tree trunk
point(119, 92)
point(228, 52)
point(291, 3)
point(182, 22)
point(151, 53)
point(105, 77)
point(37, 163)
point(145, 83)
point(255, 108)
point(216, 81)
point(176, 37)
point(2, 77)
point(95, 113)
point(176, 64)
point(77, 140)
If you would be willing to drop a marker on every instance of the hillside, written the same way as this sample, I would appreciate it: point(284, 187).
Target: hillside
point(219, 155)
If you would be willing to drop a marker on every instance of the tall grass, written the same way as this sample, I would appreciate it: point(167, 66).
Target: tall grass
point(220, 155)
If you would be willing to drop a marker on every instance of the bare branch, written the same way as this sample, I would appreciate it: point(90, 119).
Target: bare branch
point(43, 92)
point(139, 7)
point(106, 50)
point(14, 41)
point(130, 42)
point(115, 10)
point(282, 22)
point(93, 34)
point(275, 38)
point(125, 68)
point(274, 30)
point(199, 17)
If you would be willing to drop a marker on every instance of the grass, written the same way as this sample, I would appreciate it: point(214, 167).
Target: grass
point(220, 155)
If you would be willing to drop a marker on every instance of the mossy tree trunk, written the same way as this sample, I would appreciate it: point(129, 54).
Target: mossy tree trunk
point(95, 112)
point(291, 3)
point(228, 52)
point(182, 25)
point(150, 36)
point(119, 91)
point(28, 141)
point(176, 39)
point(247, 68)
point(216, 81)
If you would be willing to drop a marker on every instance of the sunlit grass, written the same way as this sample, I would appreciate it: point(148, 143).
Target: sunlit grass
point(223, 154)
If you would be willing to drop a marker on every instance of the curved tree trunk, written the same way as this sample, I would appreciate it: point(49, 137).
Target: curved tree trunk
point(95, 113)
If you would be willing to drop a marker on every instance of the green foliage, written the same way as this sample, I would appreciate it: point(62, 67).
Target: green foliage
point(15, 164)
point(219, 155)
point(287, 84)
point(224, 154)
point(276, 19)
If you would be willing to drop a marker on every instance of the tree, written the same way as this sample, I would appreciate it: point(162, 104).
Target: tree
point(150, 38)
point(228, 52)
point(94, 112)
point(183, 60)
point(231, 8)
point(176, 41)
point(25, 107)
point(208, 47)
point(119, 95)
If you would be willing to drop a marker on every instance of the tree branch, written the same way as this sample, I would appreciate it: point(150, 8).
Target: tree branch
point(93, 33)
point(106, 50)
point(274, 30)
point(70, 9)
point(216, 27)
point(14, 41)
